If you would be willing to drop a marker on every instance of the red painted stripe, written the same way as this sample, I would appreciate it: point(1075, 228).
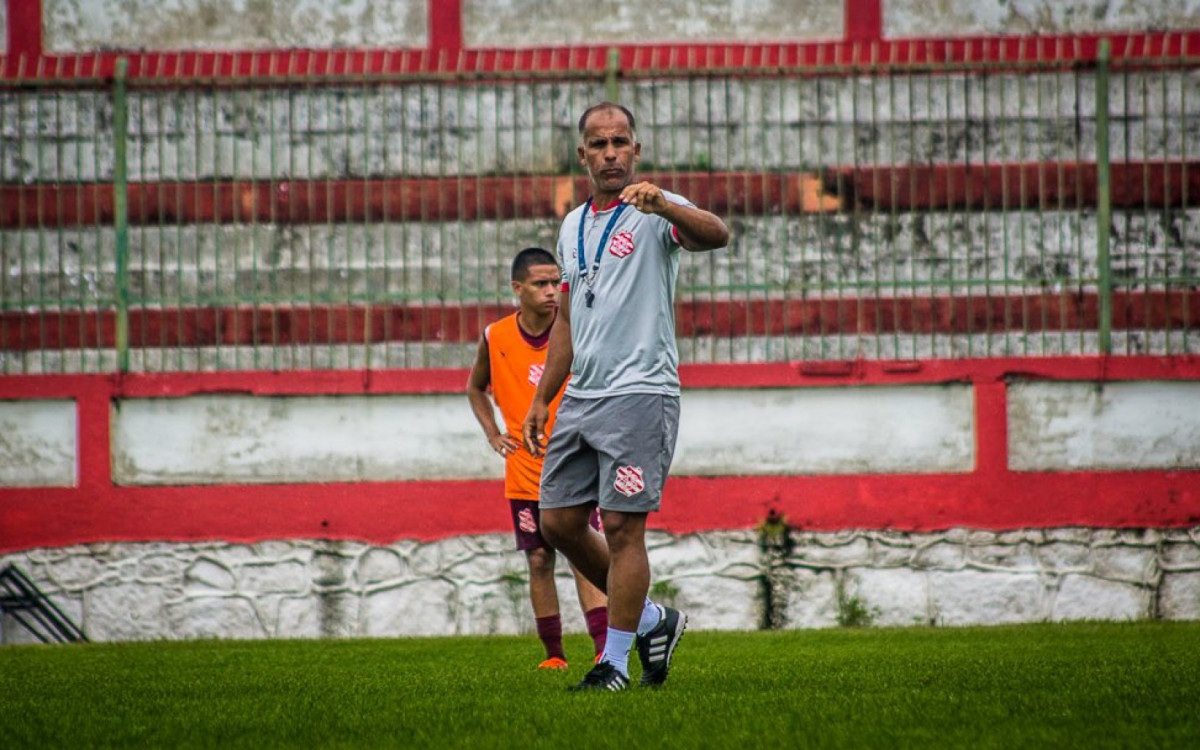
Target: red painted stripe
point(863, 20)
point(297, 201)
point(270, 326)
point(445, 25)
point(948, 187)
point(286, 67)
point(24, 28)
point(990, 497)
point(385, 512)
point(103, 388)
point(1044, 185)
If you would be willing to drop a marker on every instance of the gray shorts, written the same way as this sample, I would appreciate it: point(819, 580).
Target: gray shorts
point(614, 450)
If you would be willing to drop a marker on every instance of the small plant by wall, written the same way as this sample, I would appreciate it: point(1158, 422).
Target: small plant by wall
point(665, 592)
point(853, 611)
point(775, 543)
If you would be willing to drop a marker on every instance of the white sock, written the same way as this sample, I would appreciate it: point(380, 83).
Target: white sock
point(652, 614)
point(616, 649)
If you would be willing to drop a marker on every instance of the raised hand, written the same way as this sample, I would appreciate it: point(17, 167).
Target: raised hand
point(645, 197)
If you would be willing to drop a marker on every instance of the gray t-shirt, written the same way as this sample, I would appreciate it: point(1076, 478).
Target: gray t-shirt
point(625, 342)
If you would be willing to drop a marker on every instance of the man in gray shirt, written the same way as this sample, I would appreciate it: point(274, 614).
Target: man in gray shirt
point(616, 428)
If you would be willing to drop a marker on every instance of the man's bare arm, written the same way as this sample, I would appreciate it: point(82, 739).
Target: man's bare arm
point(698, 229)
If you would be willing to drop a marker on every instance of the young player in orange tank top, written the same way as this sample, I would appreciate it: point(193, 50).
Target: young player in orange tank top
point(509, 361)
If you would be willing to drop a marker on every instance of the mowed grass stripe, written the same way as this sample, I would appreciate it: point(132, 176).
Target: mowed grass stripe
point(1083, 685)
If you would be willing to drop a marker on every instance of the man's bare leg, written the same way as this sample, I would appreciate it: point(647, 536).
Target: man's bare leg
point(569, 531)
point(628, 569)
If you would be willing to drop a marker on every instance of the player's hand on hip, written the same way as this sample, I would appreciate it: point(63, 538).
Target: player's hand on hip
point(645, 197)
point(534, 430)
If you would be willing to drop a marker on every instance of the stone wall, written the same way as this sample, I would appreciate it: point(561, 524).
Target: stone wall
point(725, 580)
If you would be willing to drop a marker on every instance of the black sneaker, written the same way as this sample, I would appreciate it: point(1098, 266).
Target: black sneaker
point(656, 647)
point(603, 676)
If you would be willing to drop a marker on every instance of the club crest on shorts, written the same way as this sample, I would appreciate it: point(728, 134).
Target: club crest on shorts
point(525, 521)
point(629, 480)
point(535, 374)
point(622, 244)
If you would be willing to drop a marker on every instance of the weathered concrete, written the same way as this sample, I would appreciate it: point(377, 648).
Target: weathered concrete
point(208, 359)
point(723, 123)
point(1111, 426)
point(926, 18)
point(529, 23)
point(78, 26)
point(223, 439)
point(887, 255)
point(826, 431)
point(37, 443)
point(723, 350)
point(476, 585)
point(87, 25)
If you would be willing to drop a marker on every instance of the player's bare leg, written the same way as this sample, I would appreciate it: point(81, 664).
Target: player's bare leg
point(542, 591)
point(543, 594)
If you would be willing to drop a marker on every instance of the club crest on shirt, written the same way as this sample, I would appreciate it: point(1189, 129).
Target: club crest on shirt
point(629, 480)
point(535, 373)
point(622, 244)
point(525, 521)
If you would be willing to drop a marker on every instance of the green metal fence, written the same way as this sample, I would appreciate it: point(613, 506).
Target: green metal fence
point(326, 220)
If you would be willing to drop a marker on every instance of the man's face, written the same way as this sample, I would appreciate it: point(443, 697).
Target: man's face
point(538, 291)
point(609, 151)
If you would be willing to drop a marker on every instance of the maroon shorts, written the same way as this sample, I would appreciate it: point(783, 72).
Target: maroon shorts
point(527, 524)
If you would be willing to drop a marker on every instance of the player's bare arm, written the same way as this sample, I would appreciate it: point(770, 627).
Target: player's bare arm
point(477, 386)
point(559, 354)
point(698, 229)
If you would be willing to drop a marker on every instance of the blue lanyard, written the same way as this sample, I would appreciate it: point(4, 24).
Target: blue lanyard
point(589, 278)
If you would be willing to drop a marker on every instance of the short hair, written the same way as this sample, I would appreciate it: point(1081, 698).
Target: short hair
point(606, 105)
point(531, 256)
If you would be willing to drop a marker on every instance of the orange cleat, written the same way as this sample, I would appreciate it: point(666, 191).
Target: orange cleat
point(555, 663)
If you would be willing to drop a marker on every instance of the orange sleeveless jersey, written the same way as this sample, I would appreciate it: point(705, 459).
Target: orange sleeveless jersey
point(516, 369)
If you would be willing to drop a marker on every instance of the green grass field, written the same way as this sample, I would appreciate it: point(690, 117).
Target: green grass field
point(1079, 685)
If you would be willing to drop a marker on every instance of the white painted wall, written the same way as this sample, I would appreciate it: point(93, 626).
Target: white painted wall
point(231, 439)
point(855, 430)
point(224, 439)
point(925, 18)
point(532, 23)
point(86, 25)
point(37, 443)
point(217, 439)
point(1120, 426)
